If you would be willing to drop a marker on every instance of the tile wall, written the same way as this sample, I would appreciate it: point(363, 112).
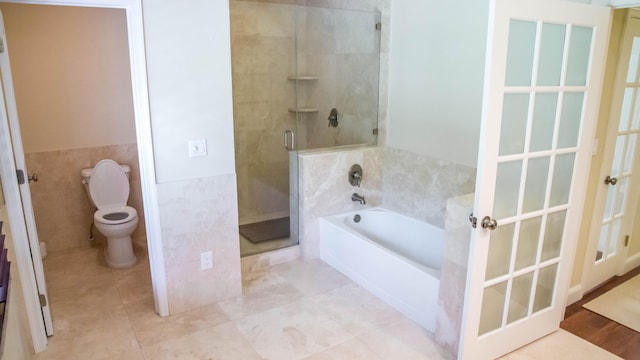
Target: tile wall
point(60, 203)
point(199, 215)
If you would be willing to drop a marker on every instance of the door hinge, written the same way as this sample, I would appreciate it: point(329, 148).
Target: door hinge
point(1, 45)
point(626, 241)
point(473, 220)
point(43, 300)
point(20, 175)
point(378, 26)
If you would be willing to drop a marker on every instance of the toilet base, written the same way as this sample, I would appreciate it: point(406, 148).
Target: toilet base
point(119, 252)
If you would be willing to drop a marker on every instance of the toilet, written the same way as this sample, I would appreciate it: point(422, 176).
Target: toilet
point(107, 185)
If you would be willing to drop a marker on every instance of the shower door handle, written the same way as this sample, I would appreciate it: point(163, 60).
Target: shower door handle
point(289, 145)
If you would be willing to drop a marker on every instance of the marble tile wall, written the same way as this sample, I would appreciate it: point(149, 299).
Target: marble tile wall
point(60, 203)
point(419, 186)
point(453, 272)
point(188, 230)
point(325, 189)
point(331, 43)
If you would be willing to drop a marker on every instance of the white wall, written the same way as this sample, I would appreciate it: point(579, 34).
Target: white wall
point(436, 77)
point(189, 65)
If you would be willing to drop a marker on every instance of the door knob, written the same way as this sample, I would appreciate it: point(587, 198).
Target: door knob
point(610, 180)
point(489, 223)
point(33, 177)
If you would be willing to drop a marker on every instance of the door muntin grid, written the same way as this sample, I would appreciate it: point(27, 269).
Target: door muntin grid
point(542, 115)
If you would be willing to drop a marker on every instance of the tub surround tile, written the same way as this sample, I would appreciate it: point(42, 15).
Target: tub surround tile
point(200, 215)
point(326, 190)
point(419, 186)
point(453, 273)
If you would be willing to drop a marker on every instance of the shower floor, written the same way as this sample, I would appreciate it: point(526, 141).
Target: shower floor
point(266, 230)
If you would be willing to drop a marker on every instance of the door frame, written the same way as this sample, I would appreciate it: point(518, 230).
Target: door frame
point(137, 59)
point(613, 115)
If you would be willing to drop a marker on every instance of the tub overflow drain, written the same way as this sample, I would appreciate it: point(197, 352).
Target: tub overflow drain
point(357, 218)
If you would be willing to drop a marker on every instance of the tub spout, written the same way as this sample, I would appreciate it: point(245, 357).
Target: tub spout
point(358, 198)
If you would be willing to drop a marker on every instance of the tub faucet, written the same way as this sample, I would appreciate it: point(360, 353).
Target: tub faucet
point(358, 198)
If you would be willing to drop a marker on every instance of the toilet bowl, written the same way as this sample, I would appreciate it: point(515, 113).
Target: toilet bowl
point(107, 185)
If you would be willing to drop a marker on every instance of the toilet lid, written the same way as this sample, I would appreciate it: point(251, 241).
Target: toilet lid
point(108, 185)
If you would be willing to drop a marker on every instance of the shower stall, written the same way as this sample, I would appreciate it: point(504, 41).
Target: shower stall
point(304, 78)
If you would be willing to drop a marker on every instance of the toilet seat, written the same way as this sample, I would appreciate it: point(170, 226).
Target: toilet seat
point(115, 215)
point(109, 185)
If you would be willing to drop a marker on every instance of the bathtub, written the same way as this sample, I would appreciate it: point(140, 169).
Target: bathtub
point(395, 257)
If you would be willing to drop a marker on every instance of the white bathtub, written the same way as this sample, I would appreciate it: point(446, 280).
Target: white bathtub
point(394, 256)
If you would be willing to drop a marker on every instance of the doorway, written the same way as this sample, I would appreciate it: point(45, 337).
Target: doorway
point(617, 189)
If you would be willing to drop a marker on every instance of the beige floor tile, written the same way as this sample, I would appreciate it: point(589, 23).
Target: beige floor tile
point(222, 342)
point(355, 309)
point(92, 335)
point(404, 339)
point(261, 293)
point(293, 331)
point(150, 328)
point(311, 277)
point(349, 350)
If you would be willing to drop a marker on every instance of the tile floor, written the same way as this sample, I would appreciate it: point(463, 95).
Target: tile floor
point(296, 310)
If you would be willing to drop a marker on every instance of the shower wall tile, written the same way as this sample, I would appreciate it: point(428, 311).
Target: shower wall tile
point(326, 191)
point(200, 215)
point(60, 203)
point(453, 273)
point(419, 186)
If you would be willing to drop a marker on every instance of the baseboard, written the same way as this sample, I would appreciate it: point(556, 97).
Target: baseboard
point(631, 263)
point(575, 294)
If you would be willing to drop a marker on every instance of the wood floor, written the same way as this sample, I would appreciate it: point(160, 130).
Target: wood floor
point(599, 330)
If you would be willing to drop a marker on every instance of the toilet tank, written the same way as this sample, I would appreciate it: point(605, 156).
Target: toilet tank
point(86, 174)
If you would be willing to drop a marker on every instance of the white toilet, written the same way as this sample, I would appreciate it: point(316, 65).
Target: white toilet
point(107, 185)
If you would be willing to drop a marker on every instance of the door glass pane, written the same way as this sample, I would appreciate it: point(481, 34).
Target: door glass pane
point(635, 119)
point(544, 119)
point(602, 241)
point(522, 39)
point(608, 205)
point(562, 176)
point(500, 245)
point(492, 307)
point(570, 119)
point(536, 186)
point(514, 123)
point(551, 53)
point(544, 288)
point(507, 189)
point(633, 60)
point(520, 295)
point(617, 156)
point(629, 153)
point(622, 188)
point(625, 111)
point(553, 235)
point(615, 237)
point(579, 55)
point(528, 243)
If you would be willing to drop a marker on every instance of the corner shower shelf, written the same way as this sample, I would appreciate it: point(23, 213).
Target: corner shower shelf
point(302, 77)
point(303, 110)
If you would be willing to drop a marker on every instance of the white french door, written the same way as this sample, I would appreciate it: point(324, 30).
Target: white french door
point(542, 87)
point(618, 184)
point(12, 161)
